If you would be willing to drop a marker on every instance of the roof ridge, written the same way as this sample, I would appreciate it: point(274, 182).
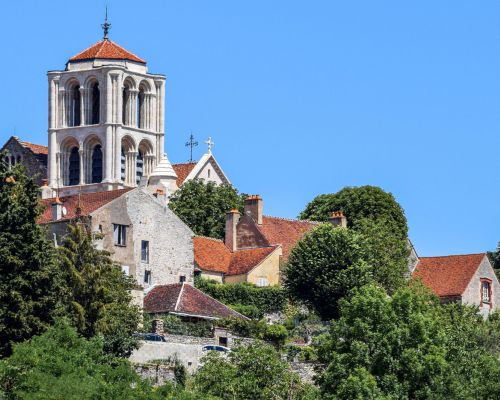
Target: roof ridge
point(185, 163)
point(208, 237)
point(179, 296)
point(293, 220)
point(456, 255)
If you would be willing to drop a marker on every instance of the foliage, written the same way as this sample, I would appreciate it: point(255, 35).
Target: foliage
point(407, 346)
point(302, 353)
point(267, 299)
point(359, 203)
point(254, 372)
point(99, 298)
point(176, 326)
point(324, 266)
point(30, 282)
point(250, 311)
point(495, 257)
point(62, 365)
point(203, 206)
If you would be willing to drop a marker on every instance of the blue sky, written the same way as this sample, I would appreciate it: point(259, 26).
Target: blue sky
point(303, 98)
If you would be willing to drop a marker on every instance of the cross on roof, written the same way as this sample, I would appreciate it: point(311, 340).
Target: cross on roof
point(191, 143)
point(209, 143)
point(106, 26)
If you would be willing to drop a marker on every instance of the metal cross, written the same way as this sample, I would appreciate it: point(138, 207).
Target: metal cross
point(209, 143)
point(192, 143)
point(106, 26)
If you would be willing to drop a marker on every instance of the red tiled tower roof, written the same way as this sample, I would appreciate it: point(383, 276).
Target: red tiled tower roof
point(184, 299)
point(448, 276)
point(182, 171)
point(106, 49)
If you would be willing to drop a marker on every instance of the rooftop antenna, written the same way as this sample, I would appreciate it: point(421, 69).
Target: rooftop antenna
point(106, 26)
point(191, 143)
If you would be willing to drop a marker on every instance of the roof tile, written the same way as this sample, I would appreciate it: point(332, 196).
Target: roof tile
point(182, 171)
point(106, 49)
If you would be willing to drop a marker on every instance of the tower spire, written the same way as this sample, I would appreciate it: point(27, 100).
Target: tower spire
point(106, 26)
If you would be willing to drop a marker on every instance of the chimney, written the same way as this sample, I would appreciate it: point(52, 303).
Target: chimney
point(232, 218)
point(338, 219)
point(253, 207)
point(57, 209)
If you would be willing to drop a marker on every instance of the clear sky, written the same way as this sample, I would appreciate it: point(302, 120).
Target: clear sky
point(302, 97)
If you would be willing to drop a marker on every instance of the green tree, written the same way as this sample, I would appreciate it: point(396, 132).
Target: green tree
point(406, 346)
point(99, 298)
point(203, 206)
point(62, 365)
point(324, 267)
point(253, 372)
point(376, 215)
point(30, 282)
point(495, 257)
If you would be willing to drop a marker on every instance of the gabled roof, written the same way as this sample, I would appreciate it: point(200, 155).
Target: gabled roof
point(88, 203)
point(106, 49)
point(39, 151)
point(448, 276)
point(213, 255)
point(184, 299)
point(285, 232)
point(183, 170)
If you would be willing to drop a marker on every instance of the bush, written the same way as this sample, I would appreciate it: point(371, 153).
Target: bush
point(249, 311)
point(176, 326)
point(267, 299)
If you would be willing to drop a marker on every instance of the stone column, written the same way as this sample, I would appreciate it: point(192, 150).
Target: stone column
point(62, 108)
point(108, 157)
point(53, 151)
point(84, 114)
point(83, 166)
point(133, 106)
point(118, 154)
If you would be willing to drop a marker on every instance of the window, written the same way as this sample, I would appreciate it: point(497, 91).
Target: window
point(74, 106)
point(485, 292)
point(120, 234)
point(144, 251)
point(74, 167)
point(208, 172)
point(182, 278)
point(96, 104)
point(262, 281)
point(125, 269)
point(147, 276)
point(97, 164)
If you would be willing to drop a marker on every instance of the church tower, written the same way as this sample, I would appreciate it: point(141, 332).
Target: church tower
point(106, 120)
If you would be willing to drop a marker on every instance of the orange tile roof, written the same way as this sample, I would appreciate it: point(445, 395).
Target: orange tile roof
point(106, 49)
point(213, 255)
point(184, 299)
point(448, 275)
point(36, 148)
point(89, 202)
point(182, 171)
point(286, 232)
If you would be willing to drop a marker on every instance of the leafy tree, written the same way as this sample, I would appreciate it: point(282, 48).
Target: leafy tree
point(407, 346)
point(62, 365)
point(254, 372)
point(495, 257)
point(99, 298)
point(30, 282)
point(324, 266)
point(203, 206)
point(380, 219)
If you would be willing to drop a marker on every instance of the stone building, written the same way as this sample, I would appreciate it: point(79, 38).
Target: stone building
point(32, 156)
point(139, 230)
point(468, 279)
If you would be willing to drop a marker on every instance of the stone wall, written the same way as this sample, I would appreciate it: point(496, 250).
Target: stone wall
point(36, 165)
point(158, 374)
point(304, 370)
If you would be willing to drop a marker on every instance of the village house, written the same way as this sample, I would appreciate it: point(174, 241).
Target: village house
point(467, 279)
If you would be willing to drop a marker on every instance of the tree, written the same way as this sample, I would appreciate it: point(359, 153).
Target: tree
point(62, 365)
point(407, 346)
point(324, 266)
point(380, 219)
point(99, 298)
point(495, 257)
point(30, 282)
point(254, 372)
point(203, 206)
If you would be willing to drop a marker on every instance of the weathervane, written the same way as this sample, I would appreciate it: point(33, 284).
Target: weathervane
point(192, 143)
point(106, 26)
point(209, 143)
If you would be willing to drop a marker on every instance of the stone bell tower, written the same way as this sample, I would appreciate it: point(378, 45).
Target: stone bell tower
point(106, 120)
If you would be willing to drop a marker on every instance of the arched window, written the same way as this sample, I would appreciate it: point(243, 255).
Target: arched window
point(122, 176)
point(139, 167)
point(74, 106)
point(74, 167)
point(126, 97)
point(140, 108)
point(96, 104)
point(97, 164)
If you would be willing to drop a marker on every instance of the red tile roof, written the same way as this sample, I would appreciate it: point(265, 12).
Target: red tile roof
point(286, 232)
point(213, 255)
point(184, 299)
point(89, 202)
point(35, 148)
point(182, 171)
point(106, 49)
point(448, 275)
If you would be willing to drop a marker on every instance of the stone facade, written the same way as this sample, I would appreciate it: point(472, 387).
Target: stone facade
point(33, 157)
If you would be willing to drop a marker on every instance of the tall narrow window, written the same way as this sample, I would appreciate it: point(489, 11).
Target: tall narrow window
point(139, 168)
point(74, 167)
point(126, 96)
point(120, 234)
point(122, 164)
point(96, 104)
point(74, 107)
point(147, 276)
point(486, 292)
point(144, 251)
point(97, 164)
point(140, 109)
